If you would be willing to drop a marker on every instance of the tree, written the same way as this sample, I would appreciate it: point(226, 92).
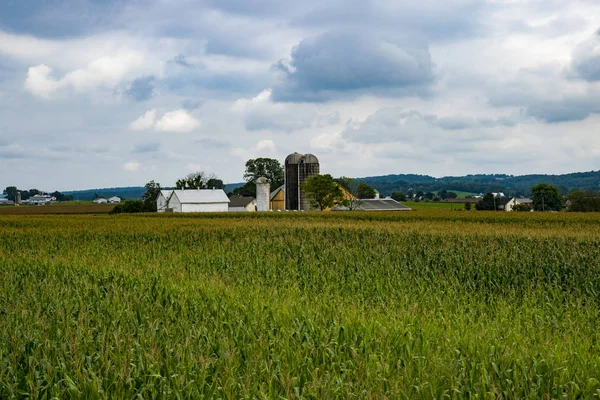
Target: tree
point(467, 205)
point(488, 203)
point(130, 206)
point(546, 198)
point(215, 183)
point(249, 189)
point(521, 207)
point(150, 196)
point(399, 196)
point(267, 167)
point(11, 193)
point(323, 192)
point(365, 191)
point(196, 180)
point(351, 185)
point(428, 195)
point(581, 201)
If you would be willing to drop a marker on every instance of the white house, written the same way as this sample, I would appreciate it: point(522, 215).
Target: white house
point(192, 200)
point(114, 200)
point(100, 200)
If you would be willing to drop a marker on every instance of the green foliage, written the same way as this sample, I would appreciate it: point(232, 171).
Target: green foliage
point(323, 192)
point(487, 203)
point(249, 189)
point(11, 193)
point(130, 207)
point(467, 205)
point(399, 196)
point(270, 168)
point(300, 305)
point(365, 191)
point(150, 196)
point(581, 201)
point(546, 198)
point(215, 183)
point(521, 207)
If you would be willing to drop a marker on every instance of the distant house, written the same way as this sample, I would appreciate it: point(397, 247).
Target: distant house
point(525, 200)
point(505, 203)
point(374, 205)
point(277, 199)
point(5, 201)
point(100, 200)
point(114, 200)
point(242, 204)
point(192, 200)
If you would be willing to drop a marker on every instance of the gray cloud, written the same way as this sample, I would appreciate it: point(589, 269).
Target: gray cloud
point(586, 59)
point(149, 147)
point(339, 63)
point(213, 143)
point(141, 89)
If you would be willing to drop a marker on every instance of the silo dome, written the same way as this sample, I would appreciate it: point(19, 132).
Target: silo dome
point(293, 158)
point(309, 159)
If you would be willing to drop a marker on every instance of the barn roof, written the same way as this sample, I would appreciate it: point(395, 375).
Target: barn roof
point(375, 205)
point(198, 196)
point(240, 201)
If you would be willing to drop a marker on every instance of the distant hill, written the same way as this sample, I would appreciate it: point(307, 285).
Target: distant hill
point(482, 183)
point(128, 193)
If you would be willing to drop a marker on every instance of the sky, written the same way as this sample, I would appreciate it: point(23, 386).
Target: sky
point(108, 93)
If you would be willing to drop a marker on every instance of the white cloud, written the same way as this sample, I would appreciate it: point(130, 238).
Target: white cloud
point(262, 148)
point(177, 121)
point(193, 167)
point(105, 71)
point(173, 121)
point(131, 166)
point(144, 122)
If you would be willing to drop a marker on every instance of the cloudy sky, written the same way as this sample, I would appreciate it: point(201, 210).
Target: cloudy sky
point(104, 93)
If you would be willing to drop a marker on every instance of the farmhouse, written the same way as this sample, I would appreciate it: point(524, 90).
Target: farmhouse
point(505, 203)
point(114, 200)
point(192, 200)
point(242, 204)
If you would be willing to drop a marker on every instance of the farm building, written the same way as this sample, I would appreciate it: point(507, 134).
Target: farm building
point(192, 200)
point(242, 204)
point(298, 168)
point(505, 203)
point(277, 199)
point(100, 200)
point(114, 200)
point(374, 205)
point(4, 201)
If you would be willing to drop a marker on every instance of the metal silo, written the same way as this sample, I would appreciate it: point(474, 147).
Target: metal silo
point(298, 168)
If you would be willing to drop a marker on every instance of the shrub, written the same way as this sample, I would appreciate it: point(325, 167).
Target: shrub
point(129, 207)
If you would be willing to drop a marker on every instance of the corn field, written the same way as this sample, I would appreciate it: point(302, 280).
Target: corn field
point(287, 305)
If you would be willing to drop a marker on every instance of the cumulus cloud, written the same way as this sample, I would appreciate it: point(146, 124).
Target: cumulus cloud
point(104, 72)
point(144, 122)
point(131, 166)
point(262, 148)
point(177, 121)
point(173, 121)
point(345, 62)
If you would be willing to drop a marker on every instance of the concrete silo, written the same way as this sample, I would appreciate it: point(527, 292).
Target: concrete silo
point(298, 168)
point(263, 191)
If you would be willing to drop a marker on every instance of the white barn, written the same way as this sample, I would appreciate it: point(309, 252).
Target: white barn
point(192, 200)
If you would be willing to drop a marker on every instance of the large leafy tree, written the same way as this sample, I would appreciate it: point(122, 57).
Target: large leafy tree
point(11, 193)
point(323, 192)
point(546, 197)
point(267, 167)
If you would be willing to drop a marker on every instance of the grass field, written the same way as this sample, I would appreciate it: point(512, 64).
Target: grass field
point(59, 208)
point(437, 304)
